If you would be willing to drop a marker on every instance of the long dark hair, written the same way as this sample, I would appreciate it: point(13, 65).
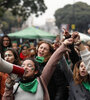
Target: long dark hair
point(36, 66)
point(6, 37)
point(17, 59)
point(2, 46)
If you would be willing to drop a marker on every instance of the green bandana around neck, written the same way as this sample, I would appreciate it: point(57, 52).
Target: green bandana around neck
point(30, 86)
point(39, 59)
point(86, 85)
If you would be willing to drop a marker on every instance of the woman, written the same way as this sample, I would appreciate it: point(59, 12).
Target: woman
point(24, 52)
point(11, 56)
point(57, 86)
point(79, 81)
point(5, 42)
point(85, 54)
point(30, 73)
point(44, 52)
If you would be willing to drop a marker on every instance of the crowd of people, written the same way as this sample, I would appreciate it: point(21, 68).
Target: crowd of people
point(51, 71)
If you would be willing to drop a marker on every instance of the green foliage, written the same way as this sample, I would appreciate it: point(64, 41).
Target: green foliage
point(9, 20)
point(23, 7)
point(78, 14)
point(5, 24)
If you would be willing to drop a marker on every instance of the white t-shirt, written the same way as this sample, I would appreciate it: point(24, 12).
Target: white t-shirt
point(23, 95)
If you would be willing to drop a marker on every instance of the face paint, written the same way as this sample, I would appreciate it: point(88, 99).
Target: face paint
point(9, 56)
point(6, 54)
point(32, 69)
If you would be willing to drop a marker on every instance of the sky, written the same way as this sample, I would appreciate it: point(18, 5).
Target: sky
point(52, 6)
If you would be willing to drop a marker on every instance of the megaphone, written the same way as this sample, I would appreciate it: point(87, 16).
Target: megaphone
point(7, 67)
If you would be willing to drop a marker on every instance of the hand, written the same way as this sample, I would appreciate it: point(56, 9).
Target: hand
point(66, 33)
point(76, 37)
point(68, 41)
point(10, 81)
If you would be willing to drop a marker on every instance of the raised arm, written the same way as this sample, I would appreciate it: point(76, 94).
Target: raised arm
point(66, 69)
point(85, 54)
point(51, 64)
point(73, 54)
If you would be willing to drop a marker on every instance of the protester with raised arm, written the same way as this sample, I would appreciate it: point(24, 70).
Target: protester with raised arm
point(85, 54)
point(32, 86)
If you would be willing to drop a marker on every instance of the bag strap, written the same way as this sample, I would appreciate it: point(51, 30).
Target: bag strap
point(16, 89)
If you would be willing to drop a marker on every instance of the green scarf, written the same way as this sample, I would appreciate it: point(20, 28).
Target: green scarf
point(39, 59)
point(30, 86)
point(86, 85)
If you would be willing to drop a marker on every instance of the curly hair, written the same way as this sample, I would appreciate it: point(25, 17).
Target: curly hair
point(51, 49)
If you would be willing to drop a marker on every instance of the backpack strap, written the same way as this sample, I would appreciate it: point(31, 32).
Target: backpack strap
point(16, 89)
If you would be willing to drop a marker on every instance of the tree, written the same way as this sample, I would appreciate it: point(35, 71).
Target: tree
point(78, 14)
point(9, 21)
point(22, 7)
